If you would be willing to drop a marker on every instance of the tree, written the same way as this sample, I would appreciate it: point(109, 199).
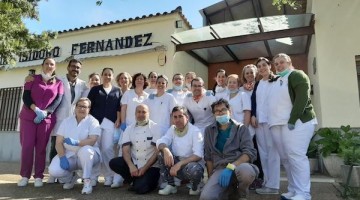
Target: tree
point(292, 3)
point(15, 38)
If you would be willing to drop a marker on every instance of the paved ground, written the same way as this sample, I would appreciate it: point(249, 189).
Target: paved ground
point(322, 189)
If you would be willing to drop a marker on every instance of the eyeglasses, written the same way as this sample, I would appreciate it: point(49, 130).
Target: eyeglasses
point(82, 107)
point(222, 111)
point(196, 86)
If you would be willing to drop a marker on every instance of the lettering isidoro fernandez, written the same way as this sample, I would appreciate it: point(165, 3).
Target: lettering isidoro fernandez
point(88, 47)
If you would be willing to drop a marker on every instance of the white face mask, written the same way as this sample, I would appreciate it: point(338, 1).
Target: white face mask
point(46, 77)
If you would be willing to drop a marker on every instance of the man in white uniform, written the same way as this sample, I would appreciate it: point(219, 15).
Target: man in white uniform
point(199, 104)
point(184, 160)
point(138, 164)
point(77, 147)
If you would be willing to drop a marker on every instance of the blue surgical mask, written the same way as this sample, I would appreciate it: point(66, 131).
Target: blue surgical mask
point(283, 73)
point(177, 88)
point(223, 119)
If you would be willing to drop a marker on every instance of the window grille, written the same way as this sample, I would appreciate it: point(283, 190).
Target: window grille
point(10, 99)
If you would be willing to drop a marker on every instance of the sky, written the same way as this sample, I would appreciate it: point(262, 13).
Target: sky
point(58, 15)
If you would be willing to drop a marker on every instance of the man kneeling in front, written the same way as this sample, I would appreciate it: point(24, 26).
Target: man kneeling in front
point(77, 147)
point(228, 152)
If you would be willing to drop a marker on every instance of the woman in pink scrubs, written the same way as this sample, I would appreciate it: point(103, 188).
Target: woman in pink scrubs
point(41, 98)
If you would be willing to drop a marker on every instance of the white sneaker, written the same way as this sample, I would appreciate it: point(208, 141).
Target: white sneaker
point(108, 181)
point(70, 185)
point(38, 182)
point(195, 193)
point(169, 189)
point(87, 188)
point(23, 182)
point(287, 196)
point(51, 180)
point(116, 185)
point(266, 190)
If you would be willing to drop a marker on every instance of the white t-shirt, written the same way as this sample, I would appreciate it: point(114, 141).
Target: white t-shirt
point(190, 144)
point(143, 141)
point(201, 111)
point(150, 90)
point(160, 109)
point(70, 128)
point(238, 105)
point(132, 100)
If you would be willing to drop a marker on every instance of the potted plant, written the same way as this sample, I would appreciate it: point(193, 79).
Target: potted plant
point(312, 154)
point(350, 147)
point(329, 148)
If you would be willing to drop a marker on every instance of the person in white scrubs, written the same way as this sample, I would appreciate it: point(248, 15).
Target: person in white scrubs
point(94, 80)
point(124, 81)
point(77, 147)
point(161, 104)
point(199, 104)
point(132, 98)
point(248, 77)
point(188, 78)
point(239, 101)
point(152, 77)
point(270, 160)
point(220, 89)
point(292, 123)
point(178, 90)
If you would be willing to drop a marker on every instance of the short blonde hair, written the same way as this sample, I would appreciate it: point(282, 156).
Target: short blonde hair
point(235, 76)
point(283, 55)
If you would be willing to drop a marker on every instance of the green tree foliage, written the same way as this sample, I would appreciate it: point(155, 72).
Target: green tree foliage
point(292, 3)
point(14, 36)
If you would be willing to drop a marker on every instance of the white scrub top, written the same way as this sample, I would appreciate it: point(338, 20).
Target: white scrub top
point(160, 109)
point(238, 104)
point(201, 111)
point(132, 100)
point(70, 128)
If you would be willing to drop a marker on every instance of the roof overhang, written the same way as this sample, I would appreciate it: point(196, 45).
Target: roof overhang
point(249, 38)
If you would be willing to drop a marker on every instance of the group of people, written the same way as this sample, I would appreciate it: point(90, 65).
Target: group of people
point(148, 136)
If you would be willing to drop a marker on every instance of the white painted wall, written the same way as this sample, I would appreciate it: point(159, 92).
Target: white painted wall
point(335, 44)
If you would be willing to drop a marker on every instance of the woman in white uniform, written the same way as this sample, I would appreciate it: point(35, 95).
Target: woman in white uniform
point(161, 104)
point(105, 100)
point(94, 80)
point(219, 89)
point(239, 101)
point(188, 78)
point(292, 123)
point(270, 160)
point(124, 81)
point(178, 90)
point(152, 77)
point(133, 98)
point(77, 147)
point(248, 77)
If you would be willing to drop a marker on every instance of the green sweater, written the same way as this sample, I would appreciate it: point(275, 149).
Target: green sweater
point(299, 91)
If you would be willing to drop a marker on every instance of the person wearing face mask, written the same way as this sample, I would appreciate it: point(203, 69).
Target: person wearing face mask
point(239, 101)
point(220, 90)
point(138, 164)
point(228, 152)
point(178, 90)
point(41, 98)
point(292, 123)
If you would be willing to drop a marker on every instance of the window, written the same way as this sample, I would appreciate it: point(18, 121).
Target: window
point(357, 59)
point(10, 99)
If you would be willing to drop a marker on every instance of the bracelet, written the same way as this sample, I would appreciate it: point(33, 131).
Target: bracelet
point(231, 166)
